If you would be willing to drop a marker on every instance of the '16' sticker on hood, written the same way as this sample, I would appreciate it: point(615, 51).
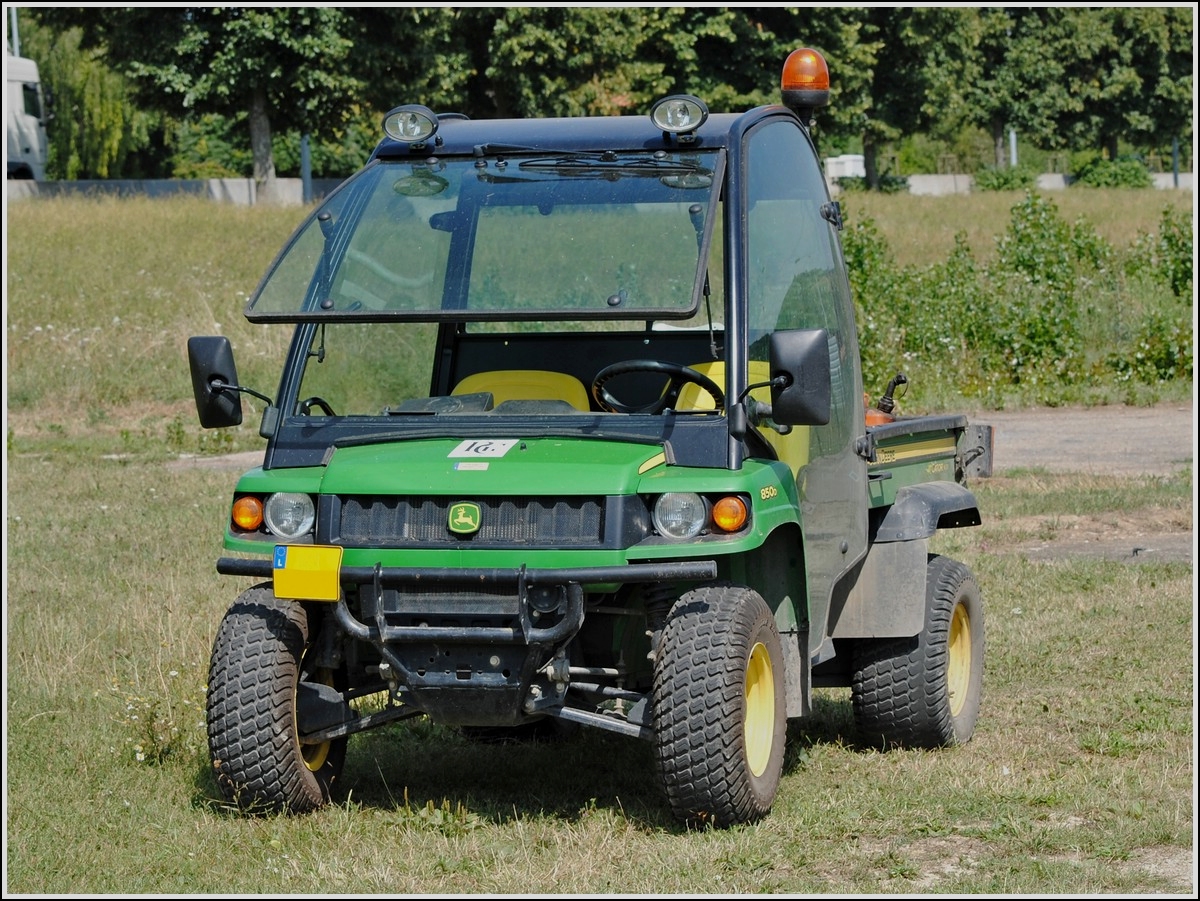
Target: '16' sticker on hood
point(484, 447)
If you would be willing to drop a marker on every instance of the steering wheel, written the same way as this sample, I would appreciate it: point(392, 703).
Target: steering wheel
point(307, 405)
point(679, 377)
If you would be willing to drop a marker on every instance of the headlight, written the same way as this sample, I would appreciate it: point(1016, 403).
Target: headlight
point(680, 514)
point(289, 515)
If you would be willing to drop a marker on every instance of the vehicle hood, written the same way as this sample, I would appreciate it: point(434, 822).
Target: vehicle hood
point(536, 466)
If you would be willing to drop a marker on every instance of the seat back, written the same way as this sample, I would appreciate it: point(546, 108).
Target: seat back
point(527, 384)
point(693, 397)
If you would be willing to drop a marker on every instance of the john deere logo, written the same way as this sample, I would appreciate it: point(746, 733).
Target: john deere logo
point(464, 518)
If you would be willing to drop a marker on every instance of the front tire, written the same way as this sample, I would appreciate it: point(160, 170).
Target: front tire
point(257, 671)
point(718, 701)
point(924, 692)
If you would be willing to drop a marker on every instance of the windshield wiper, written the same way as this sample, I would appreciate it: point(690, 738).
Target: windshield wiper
point(608, 161)
point(494, 149)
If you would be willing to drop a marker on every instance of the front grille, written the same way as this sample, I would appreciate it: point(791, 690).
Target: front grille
point(504, 521)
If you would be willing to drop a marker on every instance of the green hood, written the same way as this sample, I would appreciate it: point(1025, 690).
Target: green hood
point(544, 466)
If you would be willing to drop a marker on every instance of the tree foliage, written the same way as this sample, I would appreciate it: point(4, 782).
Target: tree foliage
point(1084, 77)
point(97, 129)
point(290, 64)
point(1064, 77)
point(920, 58)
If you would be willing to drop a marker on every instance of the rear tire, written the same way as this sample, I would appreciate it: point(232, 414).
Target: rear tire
point(924, 692)
point(258, 663)
point(718, 701)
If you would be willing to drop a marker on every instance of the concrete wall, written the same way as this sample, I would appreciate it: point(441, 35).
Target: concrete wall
point(1165, 181)
point(941, 185)
point(288, 191)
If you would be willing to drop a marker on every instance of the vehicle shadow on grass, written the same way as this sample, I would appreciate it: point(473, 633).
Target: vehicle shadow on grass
point(417, 767)
point(441, 778)
point(830, 723)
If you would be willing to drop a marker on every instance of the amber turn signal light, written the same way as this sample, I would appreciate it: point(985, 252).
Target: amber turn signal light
point(247, 513)
point(729, 514)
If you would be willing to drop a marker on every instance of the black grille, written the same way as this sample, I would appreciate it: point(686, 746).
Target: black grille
point(400, 521)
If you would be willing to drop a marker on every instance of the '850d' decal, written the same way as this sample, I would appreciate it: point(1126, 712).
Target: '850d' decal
point(484, 447)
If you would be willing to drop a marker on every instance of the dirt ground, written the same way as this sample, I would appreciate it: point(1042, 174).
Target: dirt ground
point(1124, 441)
point(1098, 440)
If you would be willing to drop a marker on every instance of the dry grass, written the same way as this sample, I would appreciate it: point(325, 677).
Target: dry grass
point(921, 230)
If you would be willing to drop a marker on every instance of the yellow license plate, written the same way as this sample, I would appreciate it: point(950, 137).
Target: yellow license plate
point(308, 572)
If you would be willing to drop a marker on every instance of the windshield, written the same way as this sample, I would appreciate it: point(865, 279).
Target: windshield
point(561, 237)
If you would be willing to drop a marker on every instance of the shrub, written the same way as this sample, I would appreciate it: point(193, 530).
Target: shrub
point(875, 283)
point(1019, 178)
point(1168, 256)
point(1038, 243)
point(1122, 173)
point(1162, 350)
point(1178, 251)
point(1050, 310)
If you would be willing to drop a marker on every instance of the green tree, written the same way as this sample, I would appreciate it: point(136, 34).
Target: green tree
point(574, 61)
point(1021, 80)
point(736, 57)
point(287, 64)
point(526, 61)
point(1071, 77)
point(570, 61)
point(95, 126)
point(915, 62)
point(1152, 76)
point(426, 55)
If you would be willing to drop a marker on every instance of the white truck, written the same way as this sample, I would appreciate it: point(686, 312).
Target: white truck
point(24, 119)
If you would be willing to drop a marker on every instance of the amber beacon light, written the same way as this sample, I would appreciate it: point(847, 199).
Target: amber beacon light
point(805, 83)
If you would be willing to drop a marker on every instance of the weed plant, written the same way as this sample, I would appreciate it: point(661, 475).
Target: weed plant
point(1057, 315)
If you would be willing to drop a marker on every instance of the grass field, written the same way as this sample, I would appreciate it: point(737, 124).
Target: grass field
point(1080, 779)
point(921, 229)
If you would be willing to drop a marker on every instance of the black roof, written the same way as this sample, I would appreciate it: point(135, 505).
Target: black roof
point(458, 135)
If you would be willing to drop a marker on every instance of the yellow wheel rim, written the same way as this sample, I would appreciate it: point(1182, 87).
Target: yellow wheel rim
point(315, 755)
point(760, 709)
point(958, 666)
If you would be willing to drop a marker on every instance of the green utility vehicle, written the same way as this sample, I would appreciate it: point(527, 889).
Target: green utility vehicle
point(572, 431)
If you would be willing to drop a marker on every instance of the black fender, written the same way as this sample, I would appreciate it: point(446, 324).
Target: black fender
point(920, 510)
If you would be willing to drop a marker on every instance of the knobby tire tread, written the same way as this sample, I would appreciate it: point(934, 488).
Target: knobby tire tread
point(698, 707)
point(251, 707)
point(898, 690)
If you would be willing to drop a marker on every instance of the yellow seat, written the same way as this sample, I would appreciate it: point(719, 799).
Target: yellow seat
point(527, 384)
point(792, 448)
point(692, 396)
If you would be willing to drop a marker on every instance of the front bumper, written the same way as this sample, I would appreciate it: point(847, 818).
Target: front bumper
point(482, 647)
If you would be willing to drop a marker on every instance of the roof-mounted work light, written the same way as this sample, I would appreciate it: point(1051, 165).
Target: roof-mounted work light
point(805, 83)
point(680, 114)
point(410, 124)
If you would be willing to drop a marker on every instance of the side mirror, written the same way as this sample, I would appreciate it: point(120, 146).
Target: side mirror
point(801, 386)
point(211, 362)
